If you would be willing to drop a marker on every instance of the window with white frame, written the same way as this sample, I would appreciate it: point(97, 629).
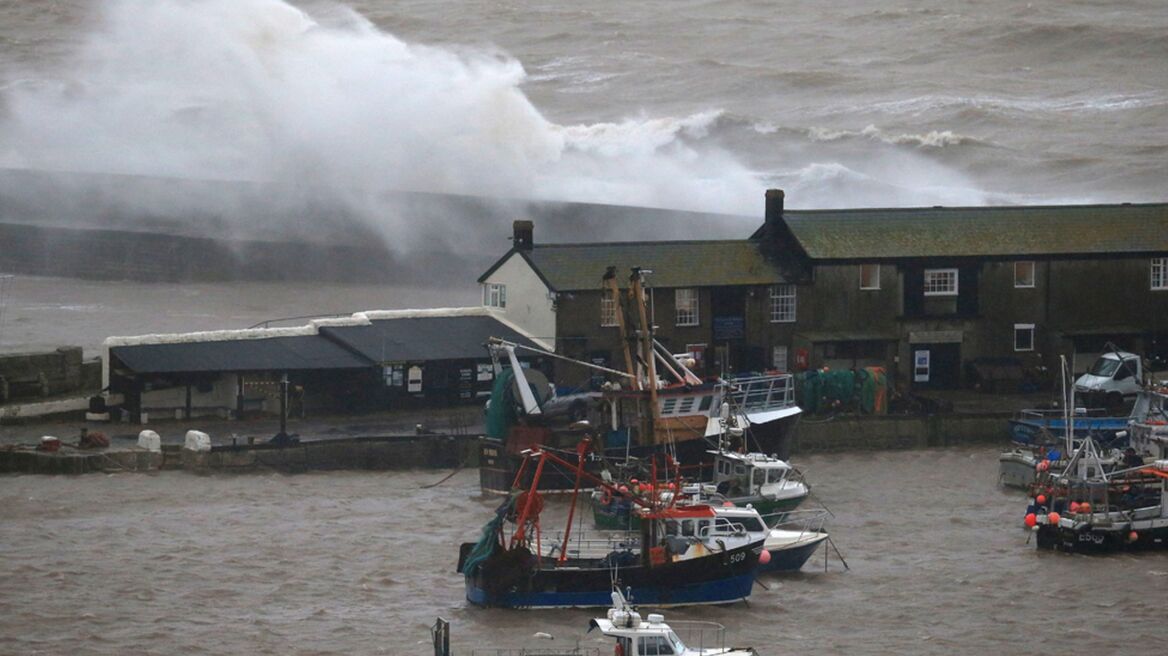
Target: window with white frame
point(782, 303)
point(1160, 273)
point(495, 295)
point(687, 306)
point(779, 358)
point(1023, 337)
point(1024, 274)
point(607, 308)
point(940, 282)
point(869, 276)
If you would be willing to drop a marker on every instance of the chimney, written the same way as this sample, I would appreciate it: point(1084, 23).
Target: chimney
point(523, 235)
point(774, 207)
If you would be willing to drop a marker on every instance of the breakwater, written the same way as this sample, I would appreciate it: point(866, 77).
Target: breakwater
point(372, 453)
point(446, 451)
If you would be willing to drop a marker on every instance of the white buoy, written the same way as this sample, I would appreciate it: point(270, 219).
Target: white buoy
point(197, 441)
point(150, 441)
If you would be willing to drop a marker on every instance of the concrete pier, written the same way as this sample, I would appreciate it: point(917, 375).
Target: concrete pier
point(446, 451)
point(357, 453)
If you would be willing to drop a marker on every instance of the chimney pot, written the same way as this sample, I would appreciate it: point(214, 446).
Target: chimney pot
point(523, 235)
point(774, 206)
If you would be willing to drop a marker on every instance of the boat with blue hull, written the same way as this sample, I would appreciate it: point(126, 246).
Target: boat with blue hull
point(1035, 427)
point(514, 566)
point(544, 592)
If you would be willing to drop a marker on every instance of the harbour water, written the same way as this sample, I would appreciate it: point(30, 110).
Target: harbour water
point(694, 105)
point(362, 563)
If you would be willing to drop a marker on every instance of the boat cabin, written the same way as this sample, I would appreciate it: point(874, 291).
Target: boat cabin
point(653, 637)
point(749, 474)
point(696, 531)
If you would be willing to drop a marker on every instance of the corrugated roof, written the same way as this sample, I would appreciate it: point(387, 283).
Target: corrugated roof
point(980, 231)
point(270, 354)
point(410, 339)
point(674, 264)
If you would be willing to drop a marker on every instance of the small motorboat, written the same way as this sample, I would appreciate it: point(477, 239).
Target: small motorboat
point(633, 636)
point(639, 637)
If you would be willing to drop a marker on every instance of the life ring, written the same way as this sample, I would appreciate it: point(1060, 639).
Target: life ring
point(606, 498)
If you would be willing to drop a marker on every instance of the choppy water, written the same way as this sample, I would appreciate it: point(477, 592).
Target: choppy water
point(697, 104)
point(360, 563)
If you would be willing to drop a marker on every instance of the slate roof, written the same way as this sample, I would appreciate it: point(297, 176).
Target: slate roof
point(565, 267)
point(293, 353)
point(425, 338)
point(867, 234)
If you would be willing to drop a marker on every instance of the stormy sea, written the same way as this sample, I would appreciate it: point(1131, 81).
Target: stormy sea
point(419, 130)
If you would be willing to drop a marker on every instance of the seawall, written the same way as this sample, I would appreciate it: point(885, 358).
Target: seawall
point(355, 453)
point(444, 451)
point(898, 432)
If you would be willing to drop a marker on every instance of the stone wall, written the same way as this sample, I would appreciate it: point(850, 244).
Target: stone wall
point(38, 375)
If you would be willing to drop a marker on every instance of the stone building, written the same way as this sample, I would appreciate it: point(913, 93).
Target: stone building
point(941, 297)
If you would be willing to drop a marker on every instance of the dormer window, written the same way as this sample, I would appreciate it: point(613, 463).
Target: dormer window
point(940, 282)
point(495, 295)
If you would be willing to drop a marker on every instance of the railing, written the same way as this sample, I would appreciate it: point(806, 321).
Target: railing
point(698, 634)
point(805, 521)
point(582, 544)
point(537, 651)
point(755, 393)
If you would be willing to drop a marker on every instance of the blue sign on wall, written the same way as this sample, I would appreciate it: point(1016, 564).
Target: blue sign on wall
point(729, 327)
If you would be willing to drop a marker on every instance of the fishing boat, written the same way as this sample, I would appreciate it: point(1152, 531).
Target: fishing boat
point(1045, 426)
point(633, 636)
point(785, 547)
point(655, 405)
point(766, 483)
point(652, 636)
point(514, 566)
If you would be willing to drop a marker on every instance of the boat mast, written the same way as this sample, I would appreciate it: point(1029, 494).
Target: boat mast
point(645, 334)
point(609, 285)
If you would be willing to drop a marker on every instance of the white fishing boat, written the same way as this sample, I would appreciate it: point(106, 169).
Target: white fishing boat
point(633, 636)
point(652, 636)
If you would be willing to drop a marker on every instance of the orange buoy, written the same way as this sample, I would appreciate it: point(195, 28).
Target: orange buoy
point(1053, 518)
point(1041, 499)
point(764, 557)
point(1075, 507)
point(1131, 537)
point(1084, 507)
point(1031, 520)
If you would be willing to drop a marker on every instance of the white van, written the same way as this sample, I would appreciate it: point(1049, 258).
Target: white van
point(1114, 377)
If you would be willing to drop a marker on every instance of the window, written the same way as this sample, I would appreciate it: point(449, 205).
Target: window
point(687, 306)
point(1023, 337)
point(1024, 274)
point(1160, 273)
point(607, 308)
point(940, 282)
point(654, 646)
point(495, 295)
point(869, 276)
point(779, 358)
point(782, 303)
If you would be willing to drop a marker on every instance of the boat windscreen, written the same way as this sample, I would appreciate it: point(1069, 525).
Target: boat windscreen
point(1104, 367)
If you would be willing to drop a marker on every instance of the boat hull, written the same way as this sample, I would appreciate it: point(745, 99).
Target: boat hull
point(715, 579)
point(1016, 469)
point(1039, 432)
point(1088, 539)
point(792, 556)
